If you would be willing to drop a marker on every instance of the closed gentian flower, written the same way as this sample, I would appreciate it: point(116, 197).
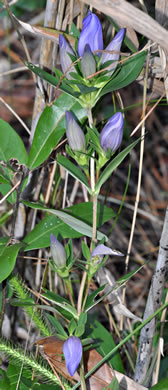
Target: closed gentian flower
point(91, 34)
point(65, 59)
point(102, 250)
point(76, 138)
point(114, 45)
point(112, 133)
point(88, 63)
point(57, 252)
point(72, 350)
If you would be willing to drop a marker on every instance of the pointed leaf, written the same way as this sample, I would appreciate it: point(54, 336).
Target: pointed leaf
point(130, 70)
point(53, 80)
point(39, 237)
point(73, 222)
point(113, 165)
point(74, 171)
point(11, 145)
point(51, 127)
point(8, 259)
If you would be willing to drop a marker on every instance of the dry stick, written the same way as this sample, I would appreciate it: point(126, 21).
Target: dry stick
point(153, 303)
point(15, 114)
point(55, 372)
point(139, 183)
point(160, 346)
point(21, 37)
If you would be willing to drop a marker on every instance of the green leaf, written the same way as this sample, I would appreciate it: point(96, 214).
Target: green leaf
point(11, 145)
point(73, 222)
point(38, 386)
point(80, 329)
point(61, 302)
point(84, 89)
point(8, 259)
point(4, 381)
point(97, 331)
point(114, 385)
point(162, 385)
point(90, 302)
point(39, 237)
point(13, 372)
point(130, 70)
point(4, 189)
point(113, 165)
point(73, 170)
point(51, 127)
point(59, 328)
point(3, 178)
point(53, 80)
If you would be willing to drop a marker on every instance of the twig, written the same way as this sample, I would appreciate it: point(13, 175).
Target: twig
point(15, 114)
point(153, 303)
point(139, 182)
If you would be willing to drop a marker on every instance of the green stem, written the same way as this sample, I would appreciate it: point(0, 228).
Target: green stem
point(82, 376)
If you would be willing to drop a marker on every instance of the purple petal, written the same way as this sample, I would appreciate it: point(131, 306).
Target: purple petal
point(102, 250)
point(57, 252)
point(114, 45)
point(72, 349)
point(75, 135)
point(112, 133)
point(91, 34)
point(65, 59)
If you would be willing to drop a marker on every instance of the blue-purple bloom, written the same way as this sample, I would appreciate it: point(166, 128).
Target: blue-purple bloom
point(112, 133)
point(65, 59)
point(72, 349)
point(88, 63)
point(76, 138)
point(102, 250)
point(57, 252)
point(114, 45)
point(91, 34)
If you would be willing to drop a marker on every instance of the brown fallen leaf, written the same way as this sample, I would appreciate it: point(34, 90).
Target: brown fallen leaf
point(51, 348)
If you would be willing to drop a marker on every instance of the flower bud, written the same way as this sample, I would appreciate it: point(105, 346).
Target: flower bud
point(112, 133)
point(57, 252)
point(72, 350)
point(76, 138)
point(65, 59)
point(88, 63)
point(114, 45)
point(91, 34)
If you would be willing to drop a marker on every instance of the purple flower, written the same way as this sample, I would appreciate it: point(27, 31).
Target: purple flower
point(91, 34)
point(65, 59)
point(57, 252)
point(72, 350)
point(102, 250)
point(114, 45)
point(88, 63)
point(76, 138)
point(112, 133)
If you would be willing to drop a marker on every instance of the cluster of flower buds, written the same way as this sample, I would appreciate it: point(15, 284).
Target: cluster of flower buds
point(91, 40)
point(72, 350)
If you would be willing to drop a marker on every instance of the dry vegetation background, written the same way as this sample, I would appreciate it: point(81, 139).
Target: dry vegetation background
point(146, 21)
